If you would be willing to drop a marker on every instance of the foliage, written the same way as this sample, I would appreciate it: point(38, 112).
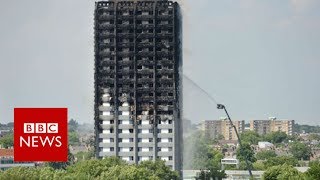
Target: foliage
point(300, 150)
point(314, 171)
point(73, 125)
point(211, 174)
point(314, 137)
point(95, 167)
point(246, 152)
point(264, 155)
point(84, 155)
point(73, 138)
point(283, 172)
point(250, 137)
point(258, 166)
point(7, 140)
point(108, 168)
point(306, 128)
point(276, 137)
point(159, 169)
point(62, 165)
point(198, 154)
point(274, 161)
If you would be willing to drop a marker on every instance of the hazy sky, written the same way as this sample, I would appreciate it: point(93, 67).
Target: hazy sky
point(259, 57)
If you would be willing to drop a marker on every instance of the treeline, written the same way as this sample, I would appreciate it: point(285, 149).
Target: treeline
point(306, 128)
point(108, 169)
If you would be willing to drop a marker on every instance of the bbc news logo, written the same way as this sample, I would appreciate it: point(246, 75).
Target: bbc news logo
point(40, 134)
point(36, 141)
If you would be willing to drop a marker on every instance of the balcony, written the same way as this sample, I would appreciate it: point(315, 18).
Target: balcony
point(164, 35)
point(125, 53)
point(145, 62)
point(165, 89)
point(165, 80)
point(106, 126)
point(125, 35)
point(125, 62)
point(125, 44)
point(106, 44)
point(164, 107)
point(145, 98)
point(145, 17)
point(165, 99)
point(165, 144)
point(125, 126)
point(145, 71)
point(125, 71)
point(124, 108)
point(162, 54)
point(105, 16)
point(107, 63)
point(106, 117)
point(101, 144)
point(163, 25)
point(106, 53)
point(125, 26)
point(165, 71)
point(145, 80)
point(126, 17)
point(164, 17)
point(106, 108)
point(126, 80)
point(106, 26)
point(145, 44)
point(144, 89)
point(145, 26)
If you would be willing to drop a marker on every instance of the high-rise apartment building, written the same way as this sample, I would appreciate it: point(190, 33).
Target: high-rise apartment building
point(272, 125)
point(138, 69)
point(216, 128)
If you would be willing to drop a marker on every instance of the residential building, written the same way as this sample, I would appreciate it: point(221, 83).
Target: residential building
point(272, 125)
point(6, 160)
point(138, 71)
point(222, 129)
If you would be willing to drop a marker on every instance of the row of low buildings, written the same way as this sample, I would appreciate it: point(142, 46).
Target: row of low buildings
point(223, 129)
point(6, 160)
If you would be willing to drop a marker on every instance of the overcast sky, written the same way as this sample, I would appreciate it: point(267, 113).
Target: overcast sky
point(259, 57)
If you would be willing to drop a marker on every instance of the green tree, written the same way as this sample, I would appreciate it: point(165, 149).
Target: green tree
point(259, 166)
point(276, 137)
point(211, 174)
point(282, 172)
point(20, 173)
point(314, 137)
point(314, 171)
point(300, 150)
point(246, 152)
point(264, 155)
point(7, 140)
point(250, 137)
point(159, 169)
point(84, 155)
point(73, 125)
point(198, 154)
point(73, 138)
point(274, 161)
point(127, 173)
point(95, 167)
point(62, 165)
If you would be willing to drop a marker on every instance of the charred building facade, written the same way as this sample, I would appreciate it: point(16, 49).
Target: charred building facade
point(138, 69)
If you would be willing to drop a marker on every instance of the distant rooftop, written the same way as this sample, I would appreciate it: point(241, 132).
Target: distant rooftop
point(6, 152)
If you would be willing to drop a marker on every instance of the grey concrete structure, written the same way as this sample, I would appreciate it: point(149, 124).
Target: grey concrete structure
point(138, 69)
